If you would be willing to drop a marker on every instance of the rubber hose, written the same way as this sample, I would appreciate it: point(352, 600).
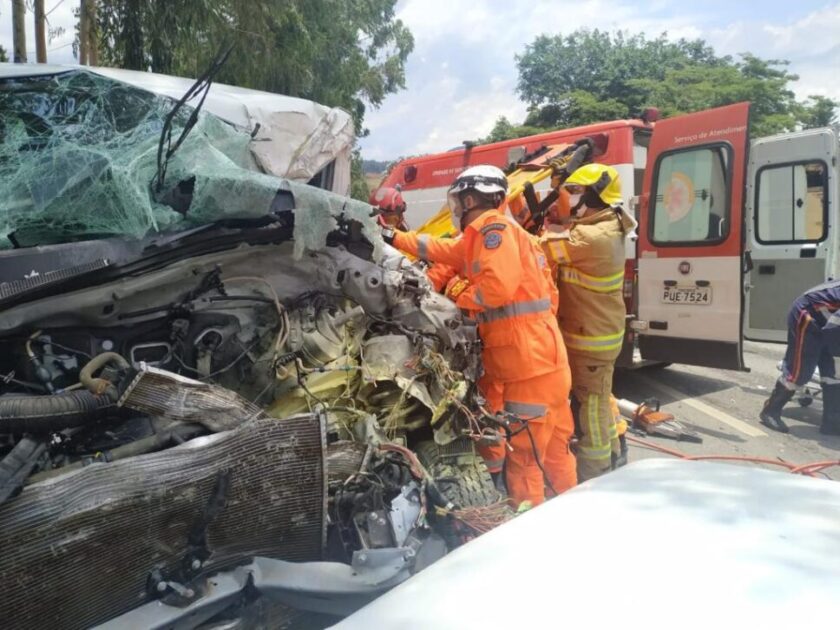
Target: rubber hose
point(100, 385)
point(42, 414)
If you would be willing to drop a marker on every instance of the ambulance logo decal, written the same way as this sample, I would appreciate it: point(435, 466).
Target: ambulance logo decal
point(679, 196)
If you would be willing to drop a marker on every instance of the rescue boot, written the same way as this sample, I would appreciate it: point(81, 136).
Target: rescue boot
point(831, 409)
point(619, 460)
point(771, 413)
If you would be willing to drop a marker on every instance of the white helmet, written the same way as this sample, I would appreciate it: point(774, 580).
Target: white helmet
point(484, 178)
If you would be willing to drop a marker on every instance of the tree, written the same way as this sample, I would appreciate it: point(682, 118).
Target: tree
point(3, 56)
point(819, 111)
point(358, 184)
point(762, 82)
point(349, 54)
point(601, 63)
point(591, 76)
point(19, 31)
point(505, 130)
point(40, 32)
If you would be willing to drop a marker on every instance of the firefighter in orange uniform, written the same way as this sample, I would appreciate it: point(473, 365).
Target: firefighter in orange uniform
point(589, 253)
point(526, 369)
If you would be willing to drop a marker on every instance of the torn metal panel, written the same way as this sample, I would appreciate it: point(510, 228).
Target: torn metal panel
point(295, 138)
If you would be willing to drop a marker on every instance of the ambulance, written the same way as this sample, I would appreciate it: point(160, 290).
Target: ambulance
point(730, 231)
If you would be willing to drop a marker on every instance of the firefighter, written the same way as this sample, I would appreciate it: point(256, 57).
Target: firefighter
point(526, 369)
point(813, 342)
point(391, 206)
point(589, 253)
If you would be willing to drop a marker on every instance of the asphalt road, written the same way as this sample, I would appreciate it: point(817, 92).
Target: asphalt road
point(722, 406)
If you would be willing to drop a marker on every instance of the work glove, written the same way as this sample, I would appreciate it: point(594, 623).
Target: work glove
point(387, 230)
point(388, 234)
point(569, 161)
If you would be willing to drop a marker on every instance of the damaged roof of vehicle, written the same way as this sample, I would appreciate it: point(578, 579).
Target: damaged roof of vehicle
point(295, 137)
point(89, 154)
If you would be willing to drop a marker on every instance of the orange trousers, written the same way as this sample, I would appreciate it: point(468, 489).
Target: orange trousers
point(544, 401)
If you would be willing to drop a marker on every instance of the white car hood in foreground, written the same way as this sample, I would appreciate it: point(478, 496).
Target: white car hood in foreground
point(296, 138)
point(658, 544)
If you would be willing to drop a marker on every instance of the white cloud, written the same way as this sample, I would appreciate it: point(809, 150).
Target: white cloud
point(462, 76)
point(481, 39)
point(810, 44)
point(476, 42)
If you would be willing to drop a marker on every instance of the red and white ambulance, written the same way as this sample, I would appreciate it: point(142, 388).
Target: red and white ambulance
point(729, 234)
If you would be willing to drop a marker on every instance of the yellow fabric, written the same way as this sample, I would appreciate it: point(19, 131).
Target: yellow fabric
point(591, 387)
point(600, 284)
point(590, 259)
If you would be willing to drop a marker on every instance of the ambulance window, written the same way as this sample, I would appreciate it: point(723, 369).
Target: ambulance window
point(792, 203)
point(691, 205)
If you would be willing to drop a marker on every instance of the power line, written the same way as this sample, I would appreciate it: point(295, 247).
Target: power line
point(52, 49)
point(58, 4)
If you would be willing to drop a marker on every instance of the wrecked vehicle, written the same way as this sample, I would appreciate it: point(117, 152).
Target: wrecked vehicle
point(218, 387)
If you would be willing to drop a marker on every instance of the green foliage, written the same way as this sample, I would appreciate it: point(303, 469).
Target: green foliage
point(819, 111)
point(349, 54)
point(3, 56)
point(505, 130)
point(593, 76)
point(374, 166)
point(358, 185)
point(600, 63)
point(762, 82)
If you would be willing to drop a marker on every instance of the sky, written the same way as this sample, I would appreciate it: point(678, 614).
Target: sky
point(462, 74)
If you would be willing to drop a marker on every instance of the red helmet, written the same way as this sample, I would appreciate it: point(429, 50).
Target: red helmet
point(388, 200)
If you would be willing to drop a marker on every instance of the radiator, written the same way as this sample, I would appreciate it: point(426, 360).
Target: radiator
point(79, 549)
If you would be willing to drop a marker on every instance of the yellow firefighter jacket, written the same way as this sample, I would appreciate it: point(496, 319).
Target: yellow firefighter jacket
point(590, 256)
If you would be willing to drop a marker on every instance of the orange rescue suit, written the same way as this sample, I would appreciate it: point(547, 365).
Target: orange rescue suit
point(514, 302)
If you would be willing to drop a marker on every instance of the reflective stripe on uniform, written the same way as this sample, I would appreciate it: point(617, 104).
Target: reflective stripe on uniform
point(423, 247)
point(541, 261)
point(558, 251)
point(601, 284)
point(525, 410)
point(588, 452)
point(479, 298)
point(593, 421)
point(494, 465)
point(476, 267)
point(602, 343)
point(513, 310)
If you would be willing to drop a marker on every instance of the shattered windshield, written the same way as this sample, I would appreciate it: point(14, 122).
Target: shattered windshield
point(78, 152)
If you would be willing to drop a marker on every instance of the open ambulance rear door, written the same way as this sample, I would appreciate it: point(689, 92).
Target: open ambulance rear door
point(691, 232)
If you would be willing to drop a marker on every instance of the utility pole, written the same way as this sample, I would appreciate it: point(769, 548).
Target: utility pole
point(84, 38)
point(40, 32)
point(19, 30)
point(93, 40)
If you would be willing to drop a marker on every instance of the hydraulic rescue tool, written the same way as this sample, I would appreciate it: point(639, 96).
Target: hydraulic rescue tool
point(647, 417)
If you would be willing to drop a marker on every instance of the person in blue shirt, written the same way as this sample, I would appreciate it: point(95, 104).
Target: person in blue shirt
point(813, 342)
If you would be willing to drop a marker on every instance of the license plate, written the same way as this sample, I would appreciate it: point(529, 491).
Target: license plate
point(702, 296)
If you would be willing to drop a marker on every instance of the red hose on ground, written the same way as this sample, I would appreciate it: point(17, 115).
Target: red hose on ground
point(804, 469)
